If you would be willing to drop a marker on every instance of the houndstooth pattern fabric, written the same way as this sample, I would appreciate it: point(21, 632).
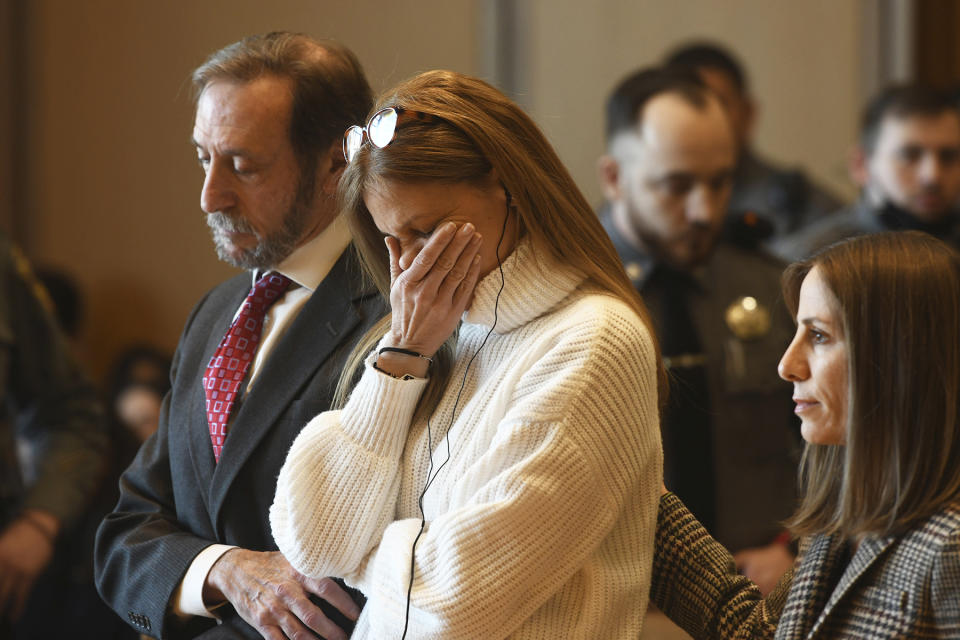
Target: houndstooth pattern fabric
point(233, 357)
point(696, 584)
point(904, 586)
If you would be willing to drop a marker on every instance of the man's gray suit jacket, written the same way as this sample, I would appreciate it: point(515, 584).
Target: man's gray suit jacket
point(174, 500)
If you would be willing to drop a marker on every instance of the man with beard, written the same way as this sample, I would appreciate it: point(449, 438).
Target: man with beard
point(907, 163)
point(728, 430)
point(189, 540)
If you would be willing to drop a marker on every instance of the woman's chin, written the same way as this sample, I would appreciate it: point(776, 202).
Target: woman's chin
point(816, 433)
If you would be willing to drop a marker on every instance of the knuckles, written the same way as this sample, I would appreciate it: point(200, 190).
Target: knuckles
point(445, 265)
point(326, 587)
point(285, 591)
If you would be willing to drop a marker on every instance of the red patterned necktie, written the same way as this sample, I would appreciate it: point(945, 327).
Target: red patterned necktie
point(232, 360)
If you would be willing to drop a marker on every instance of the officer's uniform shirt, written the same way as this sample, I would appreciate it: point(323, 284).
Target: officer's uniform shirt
point(743, 328)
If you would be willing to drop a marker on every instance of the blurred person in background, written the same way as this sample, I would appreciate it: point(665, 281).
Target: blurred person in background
point(776, 200)
point(728, 427)
point(48, 404)
point(907, 163)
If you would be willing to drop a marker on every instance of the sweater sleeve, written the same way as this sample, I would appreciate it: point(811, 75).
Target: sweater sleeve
point(571, 471)
point(696, 584)
point(336, 492)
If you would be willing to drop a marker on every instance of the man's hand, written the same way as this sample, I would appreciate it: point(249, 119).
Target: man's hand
point(764, 566)
point(273, 597)
point(26, 548)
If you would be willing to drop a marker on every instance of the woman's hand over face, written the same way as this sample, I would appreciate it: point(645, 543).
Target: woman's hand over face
point(429, 296)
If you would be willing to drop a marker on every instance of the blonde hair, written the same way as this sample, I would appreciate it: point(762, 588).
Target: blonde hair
point(898, 298)
point(477, 132)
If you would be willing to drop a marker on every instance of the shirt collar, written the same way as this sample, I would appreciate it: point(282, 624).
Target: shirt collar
point(640, 265)
point(310, 263)
point(637, 263)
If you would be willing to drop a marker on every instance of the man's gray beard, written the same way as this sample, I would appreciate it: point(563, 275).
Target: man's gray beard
point(269, 251)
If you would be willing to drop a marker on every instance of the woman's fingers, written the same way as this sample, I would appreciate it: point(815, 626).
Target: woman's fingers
point(430, 295)
point(461, 268)
point(464, 291)
point(393, 248)
point(449, 260)
point(430, 252)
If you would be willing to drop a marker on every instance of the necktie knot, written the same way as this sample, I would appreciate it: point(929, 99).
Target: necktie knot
point(268, 290)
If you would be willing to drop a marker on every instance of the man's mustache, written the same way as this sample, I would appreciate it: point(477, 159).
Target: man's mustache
point(218, 221)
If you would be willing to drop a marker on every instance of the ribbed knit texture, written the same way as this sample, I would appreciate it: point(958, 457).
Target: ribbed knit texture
point(541, 525)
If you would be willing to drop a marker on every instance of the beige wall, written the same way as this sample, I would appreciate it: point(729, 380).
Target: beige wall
point(116, 184)
point(802, 58)
point(115, 187)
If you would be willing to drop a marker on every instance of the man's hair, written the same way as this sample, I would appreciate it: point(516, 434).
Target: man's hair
point(330, 92)
point(902, 101)
point(473, 134)
point(625, 105)
point(898, 299)
point(709, 55)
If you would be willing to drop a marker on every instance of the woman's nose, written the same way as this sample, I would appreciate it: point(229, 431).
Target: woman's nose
point(793, 366)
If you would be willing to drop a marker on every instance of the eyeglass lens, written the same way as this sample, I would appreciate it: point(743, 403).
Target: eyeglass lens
point(382, 126)
point(352, 140)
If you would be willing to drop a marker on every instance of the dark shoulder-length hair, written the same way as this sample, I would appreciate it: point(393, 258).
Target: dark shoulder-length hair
point(475, 132)
point(898, 297)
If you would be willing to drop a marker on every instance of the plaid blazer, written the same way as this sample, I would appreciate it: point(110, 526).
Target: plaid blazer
point(905, 586)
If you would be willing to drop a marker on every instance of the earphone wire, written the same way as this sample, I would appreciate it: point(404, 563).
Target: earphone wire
point(431, 476)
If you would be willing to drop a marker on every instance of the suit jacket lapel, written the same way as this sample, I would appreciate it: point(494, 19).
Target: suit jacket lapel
point(201, 451)
point(810, 590)
point(867, 553)
point(318, 329)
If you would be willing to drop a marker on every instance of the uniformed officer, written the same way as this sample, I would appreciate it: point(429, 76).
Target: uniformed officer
point(781, 200)
point(47, 403)
point(729, 435)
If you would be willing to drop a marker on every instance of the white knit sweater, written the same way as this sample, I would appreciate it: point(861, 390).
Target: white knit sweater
point(541, 524)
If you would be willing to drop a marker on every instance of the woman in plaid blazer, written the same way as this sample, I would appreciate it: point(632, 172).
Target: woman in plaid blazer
point(875, 366)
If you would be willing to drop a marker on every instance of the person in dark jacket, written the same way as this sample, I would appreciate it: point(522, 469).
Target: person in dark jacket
point(189, 542)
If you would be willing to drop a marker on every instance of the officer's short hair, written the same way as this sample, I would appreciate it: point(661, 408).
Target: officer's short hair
point(625, 104)
point(902, 101)
point(709, 55)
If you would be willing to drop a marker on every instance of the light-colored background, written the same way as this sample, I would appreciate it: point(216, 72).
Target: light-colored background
point(113, 189)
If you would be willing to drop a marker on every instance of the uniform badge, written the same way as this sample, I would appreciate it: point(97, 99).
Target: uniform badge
point(747, 318)
point(634, 271)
